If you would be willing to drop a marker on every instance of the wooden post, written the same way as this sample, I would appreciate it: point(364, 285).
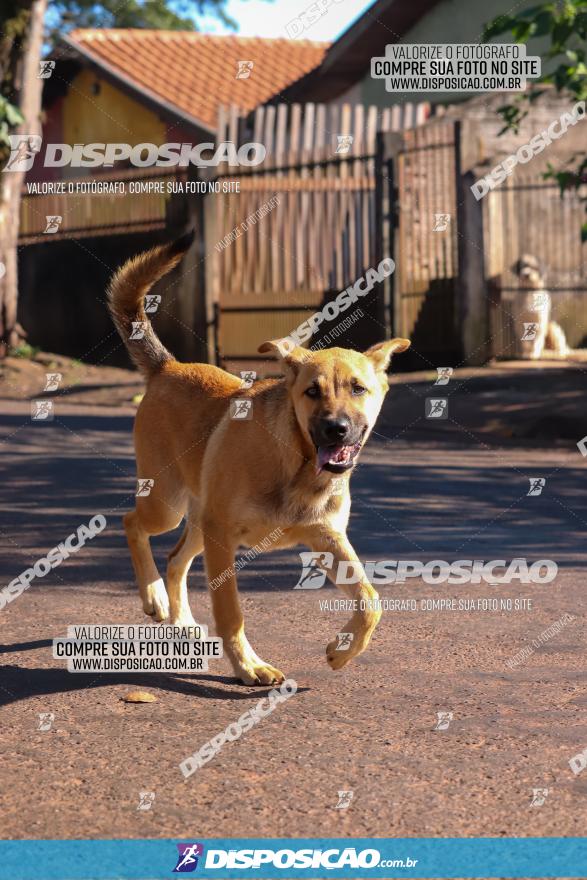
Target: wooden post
point(388, 147)
point(210, 233)
point(381, 234)
point(473, 302)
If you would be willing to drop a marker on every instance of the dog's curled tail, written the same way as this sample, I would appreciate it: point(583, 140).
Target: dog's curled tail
point(126, 294)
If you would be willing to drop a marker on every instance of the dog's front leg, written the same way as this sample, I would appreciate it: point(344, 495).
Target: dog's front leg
point(230, 625)
point(366, 600)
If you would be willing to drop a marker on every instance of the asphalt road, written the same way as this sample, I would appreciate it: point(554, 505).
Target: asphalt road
point(455, 489)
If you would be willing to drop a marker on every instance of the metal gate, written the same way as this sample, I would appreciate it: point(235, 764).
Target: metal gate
point(420, 227)
point(302, 227)
point(511, 230)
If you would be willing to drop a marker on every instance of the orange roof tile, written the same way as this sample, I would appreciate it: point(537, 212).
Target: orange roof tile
point(197, 72)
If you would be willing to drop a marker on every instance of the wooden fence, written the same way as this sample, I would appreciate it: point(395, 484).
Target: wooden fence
point(88, 213)
point(302, 226)
point(340, 188)
point(527, 215)
point(427, 252)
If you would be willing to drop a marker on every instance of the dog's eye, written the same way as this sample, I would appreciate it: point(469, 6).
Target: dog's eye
point(313, 391)
point(358, 389)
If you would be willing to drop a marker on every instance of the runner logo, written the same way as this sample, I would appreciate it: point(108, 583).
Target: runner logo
point(241, 409)
point(443, 720)
point(243, 69)
point(444, 374)
point(42, 411)
point(578, 762)
point(344, 143)
point(337, 485)
point(53, 223)
point(313, 574)
point(343, 641)
point(537, 484)
point(46, 68)
point(46, 719)
point(146, 800)
point(539, 796)
point(344, 800)
point(539, 302)
point(530, 331)
point(53, 380)
point(187, 861)
point(23, 149)
point(152, 302)
point(437, 408)
point(441, 222)
point(138, 330)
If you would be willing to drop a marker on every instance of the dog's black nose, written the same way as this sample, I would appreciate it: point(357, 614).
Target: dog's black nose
point(336, 430)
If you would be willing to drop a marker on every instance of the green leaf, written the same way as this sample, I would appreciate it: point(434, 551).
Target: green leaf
point(522, 30)
point(543, 23)
point(501, 25)
point(13, 115)
point(9, 113)
point(565, 21)
point(560, 33)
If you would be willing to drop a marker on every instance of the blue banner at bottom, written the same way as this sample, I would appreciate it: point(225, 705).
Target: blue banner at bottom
point(293, 857)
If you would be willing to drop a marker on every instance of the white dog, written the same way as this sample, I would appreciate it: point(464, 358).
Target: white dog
point(534, 329)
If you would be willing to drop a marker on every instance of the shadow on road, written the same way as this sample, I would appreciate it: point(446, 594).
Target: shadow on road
point(424, 489)
point(21, 683)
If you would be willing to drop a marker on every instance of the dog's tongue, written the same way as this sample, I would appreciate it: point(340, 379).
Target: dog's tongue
point(331, 453)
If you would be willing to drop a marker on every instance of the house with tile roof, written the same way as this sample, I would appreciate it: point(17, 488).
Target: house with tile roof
point(344, 73)
point(338, 212)
point(132, 87)
point(155, 86)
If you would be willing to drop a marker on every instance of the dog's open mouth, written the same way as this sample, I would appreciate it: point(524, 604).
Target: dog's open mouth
point(336, 459)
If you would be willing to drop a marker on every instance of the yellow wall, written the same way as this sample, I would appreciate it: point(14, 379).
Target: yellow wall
point(108, 117)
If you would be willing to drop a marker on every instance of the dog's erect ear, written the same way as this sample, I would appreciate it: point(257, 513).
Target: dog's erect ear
point(292, 355)
point(381, 353)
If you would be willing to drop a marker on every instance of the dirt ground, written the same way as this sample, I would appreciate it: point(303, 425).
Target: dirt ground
point(425, 489)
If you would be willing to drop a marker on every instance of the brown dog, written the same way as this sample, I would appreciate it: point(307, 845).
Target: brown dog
point(236, 481)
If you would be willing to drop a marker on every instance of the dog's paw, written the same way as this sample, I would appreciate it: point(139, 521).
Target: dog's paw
point(335, 658)
point(357, 635)
point(156, 603)
point(338, 656)
point(259, 674)
point(185, 619)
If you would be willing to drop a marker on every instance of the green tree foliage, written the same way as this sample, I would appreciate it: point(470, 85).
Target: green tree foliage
point(63, 15)
point(24, 26)
point(564, 24)
point(157, 14)
point(13, 25)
